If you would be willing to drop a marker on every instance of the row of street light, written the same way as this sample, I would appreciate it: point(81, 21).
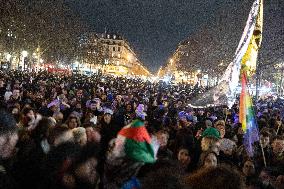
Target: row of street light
point(24, 54)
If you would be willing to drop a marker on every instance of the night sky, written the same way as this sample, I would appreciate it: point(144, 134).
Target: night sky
point(153, 27)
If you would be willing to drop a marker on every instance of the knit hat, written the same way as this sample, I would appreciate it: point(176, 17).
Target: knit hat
point(108, 111)
point(211, 132)
point(137, 142)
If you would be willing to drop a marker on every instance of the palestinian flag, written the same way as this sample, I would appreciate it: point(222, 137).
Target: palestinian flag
point(137, 142)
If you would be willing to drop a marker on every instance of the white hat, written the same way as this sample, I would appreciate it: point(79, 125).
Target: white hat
point(108, 111)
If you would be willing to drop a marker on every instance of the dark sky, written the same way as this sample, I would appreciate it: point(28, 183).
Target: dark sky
point(152, 27)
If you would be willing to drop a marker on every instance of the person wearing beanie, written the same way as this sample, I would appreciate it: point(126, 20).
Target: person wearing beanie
point(108, 130)
point(211, 132)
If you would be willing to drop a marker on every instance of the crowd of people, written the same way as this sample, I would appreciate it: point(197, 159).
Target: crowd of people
point(110, 132)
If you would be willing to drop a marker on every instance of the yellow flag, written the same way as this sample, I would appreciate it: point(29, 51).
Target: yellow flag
point(250, 57)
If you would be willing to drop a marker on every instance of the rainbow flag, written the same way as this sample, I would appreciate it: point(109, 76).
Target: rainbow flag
point(247, 117)
point(248, 65)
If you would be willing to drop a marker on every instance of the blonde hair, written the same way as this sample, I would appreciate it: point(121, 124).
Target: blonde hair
point(208, 142)
point(220, 122)
point(80, 136)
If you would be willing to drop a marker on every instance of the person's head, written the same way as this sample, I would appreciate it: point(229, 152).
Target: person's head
point(278, 145)
point(107, 115)
point(264, 138)
point(280, 182)
point(208, 123)
point(248, 168)
point(80, 136)
point(119, 98)
point(129, 108)
point(86, 166)
point(220, 125)
point(55, 108)
point(78, 106)
point(8, 134)
point(15, 111)
point(266, 176)
point(60, 135)
point(41, 130)
point(165, 175)
point(16, 93)
point(94, 103)
point(183, 156)
point(28, 113)
point(162, 137)
point(210, 143)
point(210, 160)
point(92, 135)
point(215, 178)
point(79, 93)
point(73, 122)
point(58, 116)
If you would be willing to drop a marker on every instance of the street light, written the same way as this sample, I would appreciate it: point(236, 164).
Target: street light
point(41, 60)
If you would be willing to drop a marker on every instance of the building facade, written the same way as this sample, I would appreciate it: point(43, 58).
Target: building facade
point(112, 54)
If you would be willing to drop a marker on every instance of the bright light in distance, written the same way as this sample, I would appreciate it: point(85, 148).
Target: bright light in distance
point(8, 57)
point(24, 53)
point(41, 60)
point(167, 79)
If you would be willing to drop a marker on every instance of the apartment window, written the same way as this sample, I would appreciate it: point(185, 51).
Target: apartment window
point(118, 49)
point(119, 55)
point(113, 48)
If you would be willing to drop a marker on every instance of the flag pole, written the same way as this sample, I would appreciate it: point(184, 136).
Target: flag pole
point(263, 155)
point(279, 125)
